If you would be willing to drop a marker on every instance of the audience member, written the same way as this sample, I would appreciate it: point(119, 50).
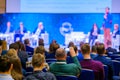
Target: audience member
point(88, 63)
point(60, 67)
point(79, 55)
point(41, 42)
point(38, 65)
point(17, 68)
point(109, 48)
point(104, 60)
point(93, 53)
point(5, 68)
point(22, 54)
point(4, 47)
point(40, 49)
point(29, 49)
point(52, 49)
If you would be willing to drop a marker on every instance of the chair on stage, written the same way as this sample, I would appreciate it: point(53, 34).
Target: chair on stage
point(86, 74)
point(66, 77)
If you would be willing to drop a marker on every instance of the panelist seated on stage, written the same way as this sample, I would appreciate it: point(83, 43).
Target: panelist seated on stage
point(19, 33)
point(8, 28)
point(40, 29)
point(116, 31)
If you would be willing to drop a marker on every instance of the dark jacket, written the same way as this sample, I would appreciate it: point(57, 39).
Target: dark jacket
point(40, 75)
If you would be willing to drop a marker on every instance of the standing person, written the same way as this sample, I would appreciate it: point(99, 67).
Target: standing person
point(20, 32)
point(40, 29)
point(107, 25)
point(94, 33)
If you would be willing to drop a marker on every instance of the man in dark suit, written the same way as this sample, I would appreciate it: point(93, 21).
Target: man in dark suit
point(40, 29)
point(20, 32)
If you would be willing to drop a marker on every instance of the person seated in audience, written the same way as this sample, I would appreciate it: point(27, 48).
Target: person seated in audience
point(0, 47)
point(17, 68)
point(41, 42)
point(52, 49)
point(5, 68)
point(29, 49)
point(109, 48)
point(97, 43)
point(106, 61)
point(22, 54)
point(94, 33)
point(38, 63)
point(61, 68)
point(116, 31)
point(89, 63)
point(19, 33)
point(8, 28)
point(40, 29)
point(4, 47)
point(40, 49)
point(79, 55)
point(93, 53)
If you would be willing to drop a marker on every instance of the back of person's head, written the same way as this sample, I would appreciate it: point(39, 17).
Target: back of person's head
point(71, 44)
point(40, 49)
point(26, 42)
point(81, 43)
point(85, 48)
point(94, 49)
point(14, 46)
point(60, 53)
point(53, 47)
point(41, 42)
point(38, 60)
point(101, 49)
point(17, 68)
point(4, 45)
point(97, 43)
point(11, 52)
point(23, 48)
point(5, 64)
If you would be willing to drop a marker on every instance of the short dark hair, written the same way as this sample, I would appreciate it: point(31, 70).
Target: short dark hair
point(94, 48)
point(5, 63)
point(41, 42)
point(85, 48)
point(14, 46)
point(26, 41)
point(37, 60)
point(100, 48)
point(60, 53)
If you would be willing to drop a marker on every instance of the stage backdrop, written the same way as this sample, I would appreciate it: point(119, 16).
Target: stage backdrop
point(52, 22)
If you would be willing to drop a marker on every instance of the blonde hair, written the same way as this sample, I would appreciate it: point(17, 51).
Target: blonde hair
point(17, 68)
point(4, 45)
point(12, 52)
